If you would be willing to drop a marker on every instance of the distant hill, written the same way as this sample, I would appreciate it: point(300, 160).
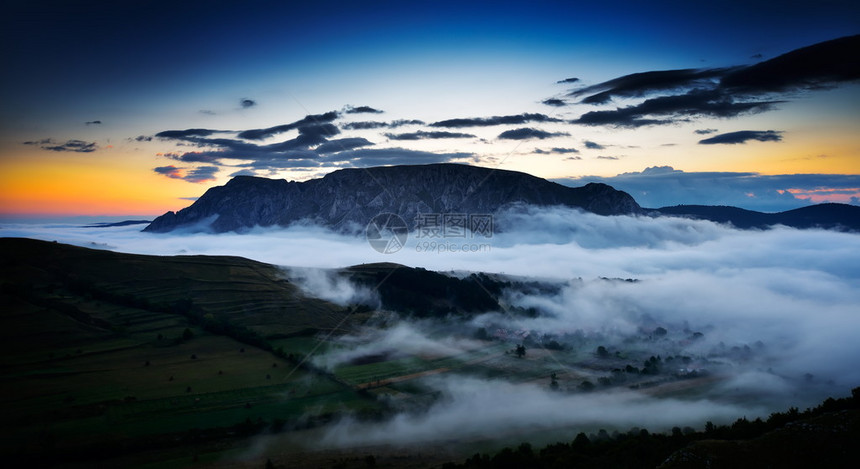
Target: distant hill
point(117, 224)
point(829, 216)
point(349, 198)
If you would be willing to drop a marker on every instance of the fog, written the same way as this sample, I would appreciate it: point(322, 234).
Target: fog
point(471, 408)
point(791, 296)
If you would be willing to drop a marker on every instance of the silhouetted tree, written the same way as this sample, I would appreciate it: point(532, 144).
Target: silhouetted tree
point(521, 351)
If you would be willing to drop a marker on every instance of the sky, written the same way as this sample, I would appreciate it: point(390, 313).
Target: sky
point(138, 107)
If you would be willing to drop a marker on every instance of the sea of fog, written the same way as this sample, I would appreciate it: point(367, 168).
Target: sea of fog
point(797, 291)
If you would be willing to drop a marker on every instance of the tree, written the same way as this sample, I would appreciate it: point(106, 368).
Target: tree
point(521, 351)
point(187, 334)
point(602, 352)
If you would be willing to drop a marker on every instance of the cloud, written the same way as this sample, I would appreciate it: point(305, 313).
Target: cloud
point(422, 135)
point(361, 110)
point(247, 103)
point(78, 146)
point(169, 171)
point(92, 122)
point(742, 136)
point(820, 65)
point(705, 131)
point(724, 92)
point(207, 112)
point(607, 158)
point(142, 138)
point(670, 109)
point(495, 120)
point(661, 186)
point(187, 133)
point(554, 102)
point(309, 120)
point(365, 125)
point(195, 175)
point(525, 133)
point(640, 84)
point(333, 146)
point(391, 156)
point(201, 174)
point(568, 80)
point(556, 150)
point(593, 146)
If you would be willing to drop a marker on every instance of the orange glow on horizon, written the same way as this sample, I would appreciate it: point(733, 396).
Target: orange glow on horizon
point(83, 185)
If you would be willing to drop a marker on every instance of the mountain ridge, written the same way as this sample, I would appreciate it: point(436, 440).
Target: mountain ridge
point(349, 198)
point(832, 216)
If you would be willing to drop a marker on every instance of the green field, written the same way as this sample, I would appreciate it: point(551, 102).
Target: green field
point(102, 349)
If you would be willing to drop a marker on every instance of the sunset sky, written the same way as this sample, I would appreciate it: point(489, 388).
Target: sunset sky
point(136, 108)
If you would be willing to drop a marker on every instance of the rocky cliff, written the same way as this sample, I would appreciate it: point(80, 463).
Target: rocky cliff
point(348, 198)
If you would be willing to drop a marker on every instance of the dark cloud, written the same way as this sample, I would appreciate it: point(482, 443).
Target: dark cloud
point(92, 122)
point(670, 109)
point(640, 84)
point(556, 150)
point(593, 145)
point(246, 103)
point(607, 158)
point(343, 144)
point(311, 119)
point(742, 136)
point(365, 125)
point(820, 65)
point(568, 80)
point(195, 175)
point(142, 138)
point(207, 112)
point(705, 131)
point(662, 186)
point(422, 135)
point(525, 133)
point(78, 146)
point(201, 174)
point(392, 156)
point(361, 110)
point(495, 120)
point(185, 134)
point(169, 171)
point(725, 92)
point(554, 102)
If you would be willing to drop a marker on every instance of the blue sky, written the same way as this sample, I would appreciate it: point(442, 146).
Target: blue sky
point(89, 86)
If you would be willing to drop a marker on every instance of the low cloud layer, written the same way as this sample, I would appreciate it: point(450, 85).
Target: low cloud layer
point(788, 295)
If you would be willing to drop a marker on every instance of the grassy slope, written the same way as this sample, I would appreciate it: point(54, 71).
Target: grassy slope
point(91, 354)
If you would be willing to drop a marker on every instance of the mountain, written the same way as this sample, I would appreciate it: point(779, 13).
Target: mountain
point(829, 216)
point(349, 198)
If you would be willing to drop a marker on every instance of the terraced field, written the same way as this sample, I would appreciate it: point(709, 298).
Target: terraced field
point(99, 347)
